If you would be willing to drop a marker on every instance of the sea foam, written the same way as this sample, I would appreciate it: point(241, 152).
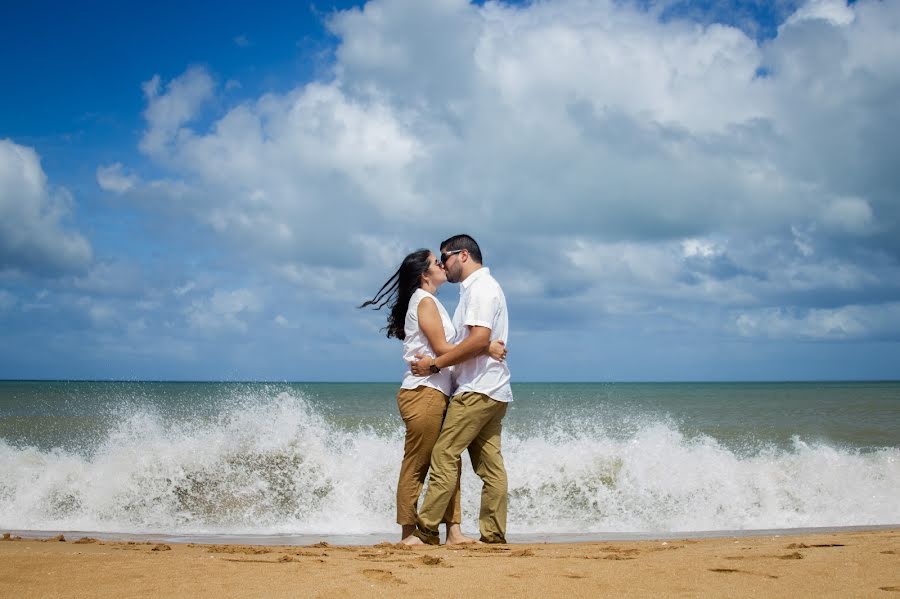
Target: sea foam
point(278, 466)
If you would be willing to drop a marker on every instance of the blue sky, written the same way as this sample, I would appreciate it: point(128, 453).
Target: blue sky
point(667, 190)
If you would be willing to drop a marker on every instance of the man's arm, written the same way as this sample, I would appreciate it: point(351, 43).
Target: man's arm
point(477, 342)
point(431, 325)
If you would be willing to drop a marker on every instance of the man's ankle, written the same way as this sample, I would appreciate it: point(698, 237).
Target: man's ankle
point(427, 537)
point(494, 540)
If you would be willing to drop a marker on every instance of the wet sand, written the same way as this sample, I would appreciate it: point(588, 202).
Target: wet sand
point(837, 564)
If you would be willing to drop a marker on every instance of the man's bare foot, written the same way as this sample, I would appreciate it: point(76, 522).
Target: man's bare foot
point(462, 540)
point(455, 536)
point(412, 540)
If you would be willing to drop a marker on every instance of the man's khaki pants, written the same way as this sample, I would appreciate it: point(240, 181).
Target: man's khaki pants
point(423, 410)
point(473, 422)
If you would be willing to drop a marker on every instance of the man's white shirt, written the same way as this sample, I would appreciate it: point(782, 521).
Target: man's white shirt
point(482, 304)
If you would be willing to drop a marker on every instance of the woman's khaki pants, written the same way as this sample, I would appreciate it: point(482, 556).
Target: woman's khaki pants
point(423, 410)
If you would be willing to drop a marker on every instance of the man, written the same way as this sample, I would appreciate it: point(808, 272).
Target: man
point(474, 417)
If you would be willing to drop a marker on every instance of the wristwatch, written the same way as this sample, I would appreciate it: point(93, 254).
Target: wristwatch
point(434, 367)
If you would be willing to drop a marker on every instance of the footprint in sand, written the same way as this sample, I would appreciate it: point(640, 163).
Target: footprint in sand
point(382, 576)
point(794, 555)
point(238, 549)
point(397, 546)
point(733, 571)
point(433, 560)
point(381, 556)
point(619, 551)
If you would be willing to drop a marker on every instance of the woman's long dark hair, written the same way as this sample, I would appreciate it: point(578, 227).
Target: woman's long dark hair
point(398, 289)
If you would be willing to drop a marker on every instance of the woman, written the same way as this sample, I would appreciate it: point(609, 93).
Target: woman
point(419, 320)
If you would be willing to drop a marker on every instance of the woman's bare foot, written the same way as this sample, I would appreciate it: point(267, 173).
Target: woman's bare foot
point(412, 540)
point(455, 536)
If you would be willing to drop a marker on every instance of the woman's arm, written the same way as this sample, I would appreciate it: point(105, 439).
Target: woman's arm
point(433, 329)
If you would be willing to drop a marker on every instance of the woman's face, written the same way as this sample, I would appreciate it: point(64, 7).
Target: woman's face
point(435, 274)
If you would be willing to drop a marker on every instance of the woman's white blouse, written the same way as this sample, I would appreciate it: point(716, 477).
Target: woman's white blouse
point(417, 343)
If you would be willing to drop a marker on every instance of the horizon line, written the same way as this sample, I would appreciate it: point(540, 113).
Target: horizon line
point(547, 382)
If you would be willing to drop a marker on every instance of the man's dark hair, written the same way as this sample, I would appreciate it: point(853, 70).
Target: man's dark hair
point(463, 242)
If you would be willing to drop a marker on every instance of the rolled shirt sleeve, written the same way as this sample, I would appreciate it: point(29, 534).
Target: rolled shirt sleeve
point(482, 308)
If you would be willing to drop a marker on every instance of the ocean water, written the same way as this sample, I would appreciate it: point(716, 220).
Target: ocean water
point(233, 459)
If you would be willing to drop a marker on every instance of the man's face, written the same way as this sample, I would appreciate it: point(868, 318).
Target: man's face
point(451, 261)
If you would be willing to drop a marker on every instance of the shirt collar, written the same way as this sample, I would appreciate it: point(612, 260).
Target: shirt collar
point(484, 270)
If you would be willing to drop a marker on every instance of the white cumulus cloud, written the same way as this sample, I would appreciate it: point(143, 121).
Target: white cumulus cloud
point(114, 178)
point(224, 311)
point(34, 236)
point(171, 106)
point(834, 11)
point(659, 160)
point(847, 322)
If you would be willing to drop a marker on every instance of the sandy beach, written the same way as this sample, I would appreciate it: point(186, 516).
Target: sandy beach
point(839, 564)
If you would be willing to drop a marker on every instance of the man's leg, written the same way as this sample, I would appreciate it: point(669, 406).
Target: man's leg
point(464, 420)
point(487, 462)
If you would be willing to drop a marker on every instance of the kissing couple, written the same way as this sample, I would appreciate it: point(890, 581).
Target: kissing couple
point(456, 392)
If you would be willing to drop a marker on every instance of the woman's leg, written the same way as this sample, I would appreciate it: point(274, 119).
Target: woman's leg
point(422, 410)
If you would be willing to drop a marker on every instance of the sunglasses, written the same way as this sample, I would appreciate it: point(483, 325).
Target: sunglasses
point(446, 256)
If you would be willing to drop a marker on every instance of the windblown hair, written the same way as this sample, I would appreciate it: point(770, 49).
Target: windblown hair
point(397, 291)
point(463, 242)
